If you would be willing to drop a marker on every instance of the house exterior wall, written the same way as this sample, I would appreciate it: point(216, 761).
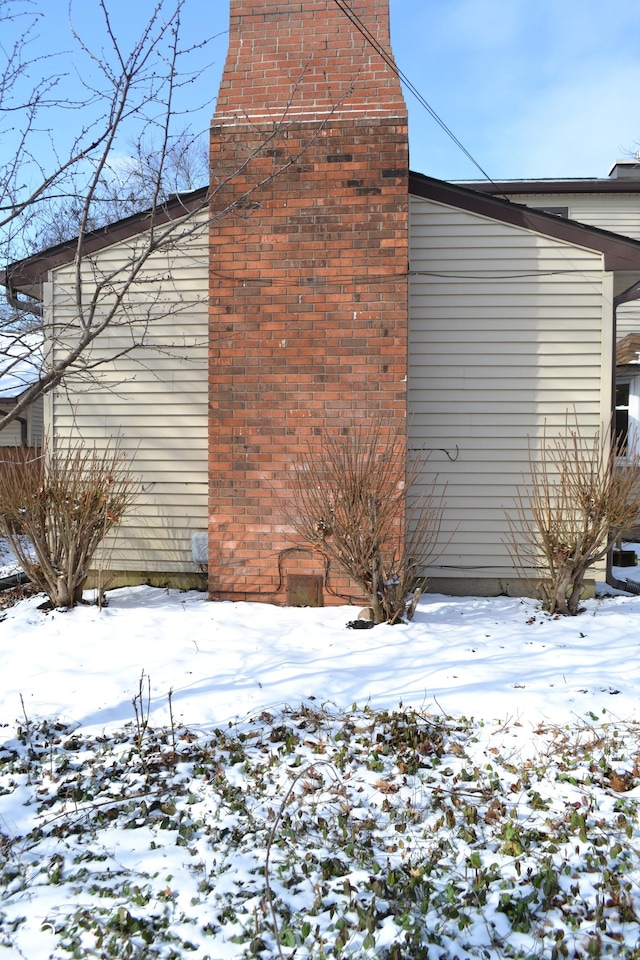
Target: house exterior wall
point(151, 400)
point(617, 212)
point(11, 436)
point(508, 330)
point(35, 423)
point(308, 283)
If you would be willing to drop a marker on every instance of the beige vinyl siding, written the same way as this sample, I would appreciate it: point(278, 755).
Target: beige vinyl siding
point(151, 400)
point(35, 423)
point(627, 319)
point(499, 344)
point(619, 213)
point(11, 436)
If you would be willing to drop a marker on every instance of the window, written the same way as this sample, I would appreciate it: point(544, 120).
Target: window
point(556, 211)
point(621, 423)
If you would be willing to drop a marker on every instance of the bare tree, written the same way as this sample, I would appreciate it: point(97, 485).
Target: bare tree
point(150, 174)
point(57, 511)
point(137, 87)
point(131, 86)
point(48, 196)
point(580, 495)
point(351, 501)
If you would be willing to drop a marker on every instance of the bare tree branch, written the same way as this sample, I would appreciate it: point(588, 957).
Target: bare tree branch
point(351, 502)
point(580, 495)
point(141, 85)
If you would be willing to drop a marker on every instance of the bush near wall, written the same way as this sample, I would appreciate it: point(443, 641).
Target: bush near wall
point(24, 455)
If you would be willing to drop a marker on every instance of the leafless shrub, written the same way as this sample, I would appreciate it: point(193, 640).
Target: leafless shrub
point(57, 509)
point(582, 493)
point(350, 502)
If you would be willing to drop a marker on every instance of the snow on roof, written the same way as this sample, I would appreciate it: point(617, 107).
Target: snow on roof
point(21, 357)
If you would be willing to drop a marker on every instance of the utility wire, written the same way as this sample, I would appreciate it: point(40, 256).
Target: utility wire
point(337, 279)
point(388, 59)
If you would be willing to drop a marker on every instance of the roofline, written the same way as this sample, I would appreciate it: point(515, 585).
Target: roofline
point(32, 270)
point(543, 187)
point(620, 253)
point(13, 397)
point(625, 348)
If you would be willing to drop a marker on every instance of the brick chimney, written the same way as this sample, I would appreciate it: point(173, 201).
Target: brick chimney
point(308, 272)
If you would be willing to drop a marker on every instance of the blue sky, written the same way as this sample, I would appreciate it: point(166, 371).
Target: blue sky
point(532, 88)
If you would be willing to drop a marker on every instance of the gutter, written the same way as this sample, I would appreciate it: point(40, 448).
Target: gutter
point(15, 580)
point(629, 586)
point(30, 306)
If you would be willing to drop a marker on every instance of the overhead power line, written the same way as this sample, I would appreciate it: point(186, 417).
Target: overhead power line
point(388, 59)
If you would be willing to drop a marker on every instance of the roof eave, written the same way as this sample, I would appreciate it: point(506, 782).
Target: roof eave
point(620, 253)
point(549, 187)
point(26, 276)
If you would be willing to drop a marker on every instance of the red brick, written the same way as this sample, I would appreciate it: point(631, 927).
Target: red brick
point(304, 334)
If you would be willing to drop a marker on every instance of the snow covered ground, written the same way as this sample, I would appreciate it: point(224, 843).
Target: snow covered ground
point(489, 658)
point(152, 754)
point(8, 563)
